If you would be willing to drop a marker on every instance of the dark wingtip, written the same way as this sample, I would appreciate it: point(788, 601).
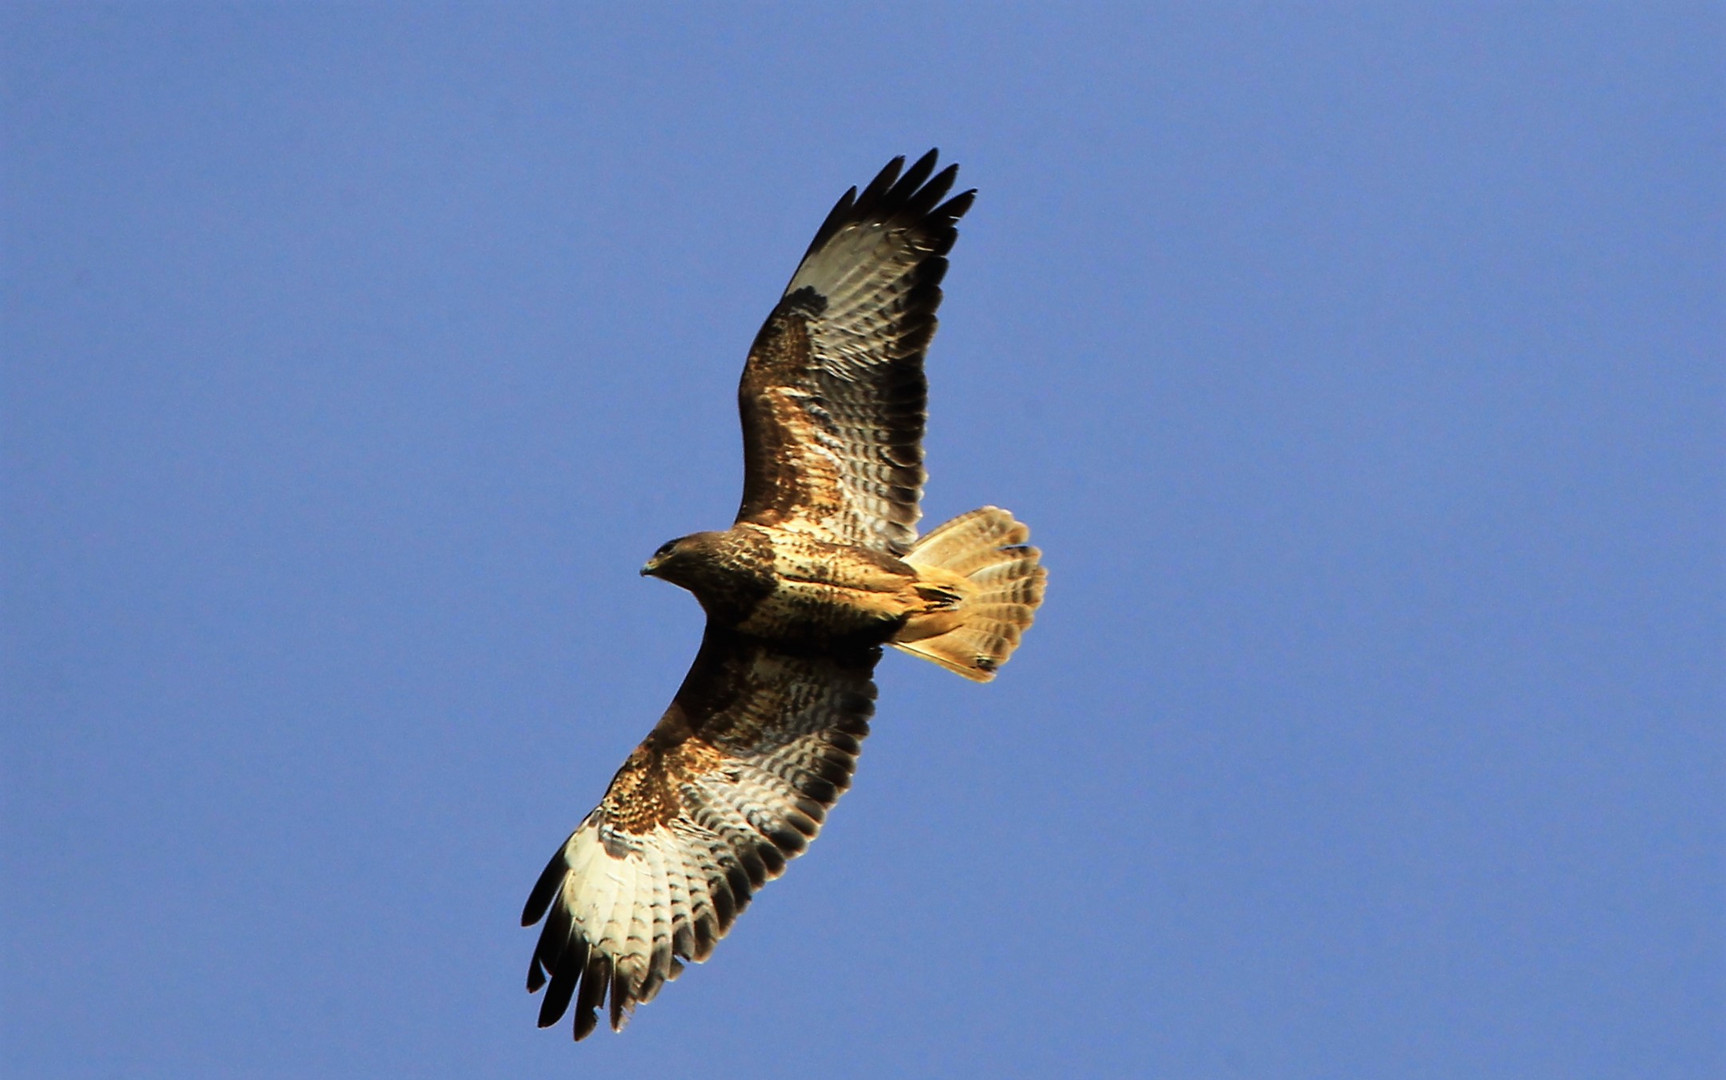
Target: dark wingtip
point(917, 174)
point(557, 995)
point(621, 1001)
point(545, 889)
point(897, 191)
point(954, 209)
point(830, 225)
point(595, 980)
point(883, 182)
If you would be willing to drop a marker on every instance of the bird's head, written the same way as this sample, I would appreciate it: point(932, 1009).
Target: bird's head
point(662, 560)
point(682, 561)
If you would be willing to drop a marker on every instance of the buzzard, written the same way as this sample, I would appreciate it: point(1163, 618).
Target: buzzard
point(822, 567)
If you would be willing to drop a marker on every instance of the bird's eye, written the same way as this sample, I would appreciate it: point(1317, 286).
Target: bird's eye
point(665, 549)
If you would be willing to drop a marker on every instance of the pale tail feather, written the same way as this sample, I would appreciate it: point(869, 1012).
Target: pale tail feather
point(984, 582)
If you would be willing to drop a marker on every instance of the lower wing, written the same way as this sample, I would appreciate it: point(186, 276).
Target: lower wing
point(735, 779)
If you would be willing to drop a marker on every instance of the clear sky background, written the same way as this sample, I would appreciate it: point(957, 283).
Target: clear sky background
point(1358, 369)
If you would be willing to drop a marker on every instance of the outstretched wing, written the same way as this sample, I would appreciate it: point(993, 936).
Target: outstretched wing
point(833, 395)
point(735, 779)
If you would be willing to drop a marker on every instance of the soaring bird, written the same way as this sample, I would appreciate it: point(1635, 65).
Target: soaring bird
point(822, 567)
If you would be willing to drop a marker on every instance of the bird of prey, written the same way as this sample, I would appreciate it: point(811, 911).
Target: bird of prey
point(821, 569)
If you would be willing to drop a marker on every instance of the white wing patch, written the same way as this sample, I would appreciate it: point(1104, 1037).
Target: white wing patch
point(862, 273)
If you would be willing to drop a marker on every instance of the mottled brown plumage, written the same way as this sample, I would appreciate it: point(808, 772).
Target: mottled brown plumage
point(820, 570)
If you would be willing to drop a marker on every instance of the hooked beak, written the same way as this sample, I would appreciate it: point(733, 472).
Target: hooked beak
point(652, 567)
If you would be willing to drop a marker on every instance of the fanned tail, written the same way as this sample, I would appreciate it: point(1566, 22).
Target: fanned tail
point(982, 584)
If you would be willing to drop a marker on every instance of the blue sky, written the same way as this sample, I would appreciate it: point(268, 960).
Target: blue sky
point(1358, 369)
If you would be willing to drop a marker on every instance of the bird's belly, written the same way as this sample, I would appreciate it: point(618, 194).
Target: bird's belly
point(813, 612)
point(825, 591)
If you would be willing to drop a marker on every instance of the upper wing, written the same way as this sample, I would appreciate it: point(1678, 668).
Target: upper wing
point(735, 779)
point(833, 394)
